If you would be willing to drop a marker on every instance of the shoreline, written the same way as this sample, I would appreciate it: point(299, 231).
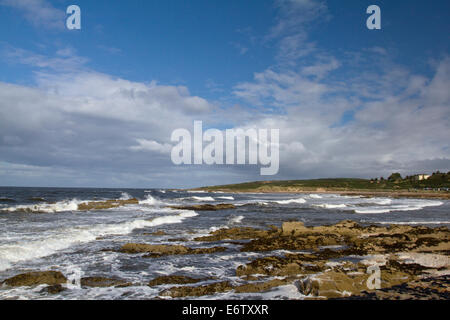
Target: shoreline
point(363, 193)
point(334, 261)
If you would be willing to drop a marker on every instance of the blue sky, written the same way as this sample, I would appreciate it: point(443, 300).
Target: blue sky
point(345, 98)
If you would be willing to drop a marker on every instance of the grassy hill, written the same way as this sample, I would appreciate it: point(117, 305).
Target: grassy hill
point(436, 181)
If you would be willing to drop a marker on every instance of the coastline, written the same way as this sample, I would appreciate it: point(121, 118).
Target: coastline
point(364, 193)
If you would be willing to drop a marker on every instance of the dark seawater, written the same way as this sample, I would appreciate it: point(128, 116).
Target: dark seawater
point(41, 229)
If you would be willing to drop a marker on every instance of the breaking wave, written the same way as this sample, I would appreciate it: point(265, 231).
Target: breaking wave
point(149, 200)
point(60, 206)
point(226, 198)
point(331, 206)
point(203, 198)
point(289, 201)
point(125, 196)
point(23, 251)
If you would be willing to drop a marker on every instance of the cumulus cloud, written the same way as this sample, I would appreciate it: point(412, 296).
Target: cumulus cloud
point(338, 116)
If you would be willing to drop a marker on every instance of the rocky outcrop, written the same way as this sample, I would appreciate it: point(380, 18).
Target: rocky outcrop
point(102, 282)
point(435, 288)
point(158, 250)
point(53, 289)
point(107, 204)
point(403, 254)
point(236, 234)
point(261, 286)
point(188, 291)
point(35, 278)
point(173, 279)
point(206, 207)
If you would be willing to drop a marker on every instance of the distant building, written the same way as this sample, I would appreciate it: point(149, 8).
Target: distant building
point(423, 176)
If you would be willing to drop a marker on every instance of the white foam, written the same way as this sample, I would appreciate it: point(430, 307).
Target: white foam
point(125, 196)
point(62, 239)
point(149, 200)
point(203, 198)
point(363, 211)
point(331, 206)
point(382, 201)
point(226, 198)
point(409, 205)
point(315, 196)
point(288, 201)
point(196, 191)
point(60, 206)
point(236, 219)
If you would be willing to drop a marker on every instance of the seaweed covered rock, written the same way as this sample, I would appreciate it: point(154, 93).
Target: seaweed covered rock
point(188, 291)
point(158, 250)
point(173, 279)
point(102, 282)
point(107, 204)
point(35, 278)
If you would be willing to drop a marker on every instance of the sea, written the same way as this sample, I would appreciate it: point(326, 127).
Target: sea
point(42, 229)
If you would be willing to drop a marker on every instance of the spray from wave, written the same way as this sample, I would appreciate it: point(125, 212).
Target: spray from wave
point(289, 201)
point(60, 206)
point(63, 239)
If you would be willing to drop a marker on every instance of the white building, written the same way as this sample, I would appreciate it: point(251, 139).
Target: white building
point(422, 176)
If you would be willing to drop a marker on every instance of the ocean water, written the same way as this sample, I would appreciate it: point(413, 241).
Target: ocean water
point(41, 229)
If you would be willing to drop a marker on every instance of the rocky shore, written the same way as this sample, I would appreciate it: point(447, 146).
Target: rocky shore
point(337, 261)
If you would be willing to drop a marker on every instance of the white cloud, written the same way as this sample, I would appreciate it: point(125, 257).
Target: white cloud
point(151, 145)
point(40, 13)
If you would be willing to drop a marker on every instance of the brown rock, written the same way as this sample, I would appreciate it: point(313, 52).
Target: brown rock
point(158, 250)
point(153, 248)
point(36, 278)
point(236, 234)
point(188, 291)
point(102, 282)
point(261, 286)
point(108, 204)
point(292, 228)
point(173, 279)
point(53, 289)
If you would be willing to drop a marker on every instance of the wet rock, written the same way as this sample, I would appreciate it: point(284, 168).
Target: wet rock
point(290, 265)
point(261, 286)
point(173, 279)
point(102, 282)
point(177, 240)
point(188, 291)
point(332, 284)
point(206, 207)
point(153, 248)
point(236, 234)
point(53, 289)
point(436, 288)
point(157, 233)
point(108, 204)
point(36, 278)
point(292, 228)
point(158, 250)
